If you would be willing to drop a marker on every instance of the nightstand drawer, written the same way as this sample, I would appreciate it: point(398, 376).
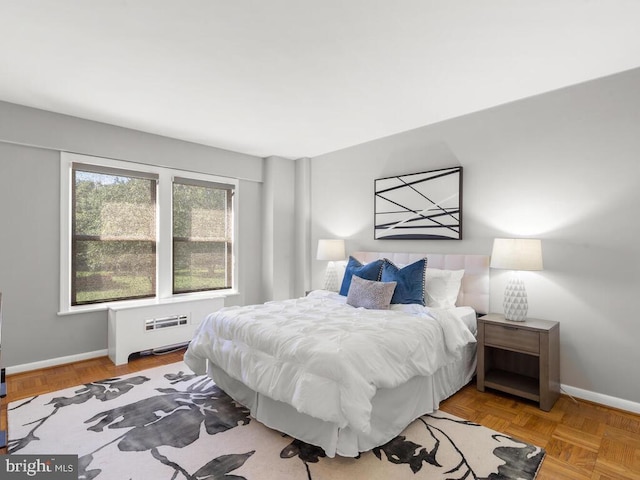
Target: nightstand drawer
point(512, 337)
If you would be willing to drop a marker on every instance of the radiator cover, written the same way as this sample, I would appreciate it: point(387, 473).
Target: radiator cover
point(136, 329)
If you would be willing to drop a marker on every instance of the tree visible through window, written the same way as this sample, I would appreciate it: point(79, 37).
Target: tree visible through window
point(113, 248)
point(202, 235)
point(135, 231)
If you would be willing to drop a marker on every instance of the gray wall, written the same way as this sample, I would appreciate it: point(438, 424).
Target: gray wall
point(564, 167)
point(286, 234)
point(278, 228)
point(32, 331)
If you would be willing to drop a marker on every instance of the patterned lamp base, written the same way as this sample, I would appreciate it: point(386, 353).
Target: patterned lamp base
point(331, 278)
point(515, 300)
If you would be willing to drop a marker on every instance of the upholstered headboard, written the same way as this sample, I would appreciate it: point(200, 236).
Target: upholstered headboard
point(474, 291)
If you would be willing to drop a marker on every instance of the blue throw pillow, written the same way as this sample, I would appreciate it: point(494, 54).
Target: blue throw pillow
point(368, 271)
point(410, 281)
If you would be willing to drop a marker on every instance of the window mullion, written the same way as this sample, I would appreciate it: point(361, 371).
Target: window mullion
point(164, 236)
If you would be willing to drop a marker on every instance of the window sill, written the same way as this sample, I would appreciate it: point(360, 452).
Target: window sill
point(191, 297)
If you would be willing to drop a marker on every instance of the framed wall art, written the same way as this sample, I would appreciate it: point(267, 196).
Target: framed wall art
point(419, 206)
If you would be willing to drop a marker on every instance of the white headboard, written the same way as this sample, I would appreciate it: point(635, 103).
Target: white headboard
point(474, 291)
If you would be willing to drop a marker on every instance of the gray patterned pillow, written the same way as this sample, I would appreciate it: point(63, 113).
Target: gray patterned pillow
point(370, 294)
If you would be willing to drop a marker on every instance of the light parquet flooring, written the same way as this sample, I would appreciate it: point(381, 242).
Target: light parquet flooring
point(584, 441)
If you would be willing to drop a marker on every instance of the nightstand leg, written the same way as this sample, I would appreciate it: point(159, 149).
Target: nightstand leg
point(549, 369)
point(480, 356)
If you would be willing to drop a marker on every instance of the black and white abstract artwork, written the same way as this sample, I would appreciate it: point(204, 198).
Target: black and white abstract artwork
point(419, 206)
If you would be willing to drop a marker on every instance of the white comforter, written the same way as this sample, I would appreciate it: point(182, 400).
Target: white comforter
point(324, 357)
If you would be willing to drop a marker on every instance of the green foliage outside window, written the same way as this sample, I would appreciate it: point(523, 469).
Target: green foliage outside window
point(114, 243)
point(114, 236)
point(201, 238)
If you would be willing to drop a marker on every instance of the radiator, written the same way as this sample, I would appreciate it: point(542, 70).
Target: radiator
point(138, 329)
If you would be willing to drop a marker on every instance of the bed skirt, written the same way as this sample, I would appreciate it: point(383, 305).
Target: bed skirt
point(393, 409)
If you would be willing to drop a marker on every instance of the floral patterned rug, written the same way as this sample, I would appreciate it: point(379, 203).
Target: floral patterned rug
point(167, 423)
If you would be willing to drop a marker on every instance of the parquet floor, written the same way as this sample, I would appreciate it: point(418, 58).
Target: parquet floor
point(584, 441)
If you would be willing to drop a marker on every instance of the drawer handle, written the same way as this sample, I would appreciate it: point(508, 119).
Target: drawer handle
point(506, 327)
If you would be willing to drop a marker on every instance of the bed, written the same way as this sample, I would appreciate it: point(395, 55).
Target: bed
point(347, 379)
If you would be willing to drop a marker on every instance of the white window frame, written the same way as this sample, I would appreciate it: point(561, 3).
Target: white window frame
point(164, 234)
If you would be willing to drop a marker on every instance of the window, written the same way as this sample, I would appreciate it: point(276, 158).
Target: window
point(202, 235)
point(113, 235)
point(132, 232)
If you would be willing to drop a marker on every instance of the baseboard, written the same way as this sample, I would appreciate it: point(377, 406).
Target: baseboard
point(53, 362)
point(602, 399)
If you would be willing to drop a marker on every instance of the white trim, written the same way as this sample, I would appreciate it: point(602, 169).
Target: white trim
point(602, 399)
point(65, 231)
point(164, 273)
point(164, 248)
point(148, 302)
point(54, 362)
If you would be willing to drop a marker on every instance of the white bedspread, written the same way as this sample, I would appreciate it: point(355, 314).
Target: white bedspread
point(324, 357)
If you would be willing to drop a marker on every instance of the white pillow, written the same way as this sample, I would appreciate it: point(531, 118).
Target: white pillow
point(442, 287)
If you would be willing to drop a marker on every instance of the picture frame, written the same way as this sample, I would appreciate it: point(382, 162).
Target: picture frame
point(419, 206)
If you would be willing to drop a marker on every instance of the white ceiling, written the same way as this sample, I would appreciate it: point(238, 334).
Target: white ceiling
point(299, 78)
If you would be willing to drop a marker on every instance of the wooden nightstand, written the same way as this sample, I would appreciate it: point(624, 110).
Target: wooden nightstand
point(520, 358)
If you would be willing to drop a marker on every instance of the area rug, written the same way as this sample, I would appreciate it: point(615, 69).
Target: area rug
point(167, 423)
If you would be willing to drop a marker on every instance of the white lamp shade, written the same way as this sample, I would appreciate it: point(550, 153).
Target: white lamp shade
point(517, 254)
point(332, 250)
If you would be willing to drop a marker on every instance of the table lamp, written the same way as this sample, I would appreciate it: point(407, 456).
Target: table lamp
point(331, 250)
point(516, 254)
